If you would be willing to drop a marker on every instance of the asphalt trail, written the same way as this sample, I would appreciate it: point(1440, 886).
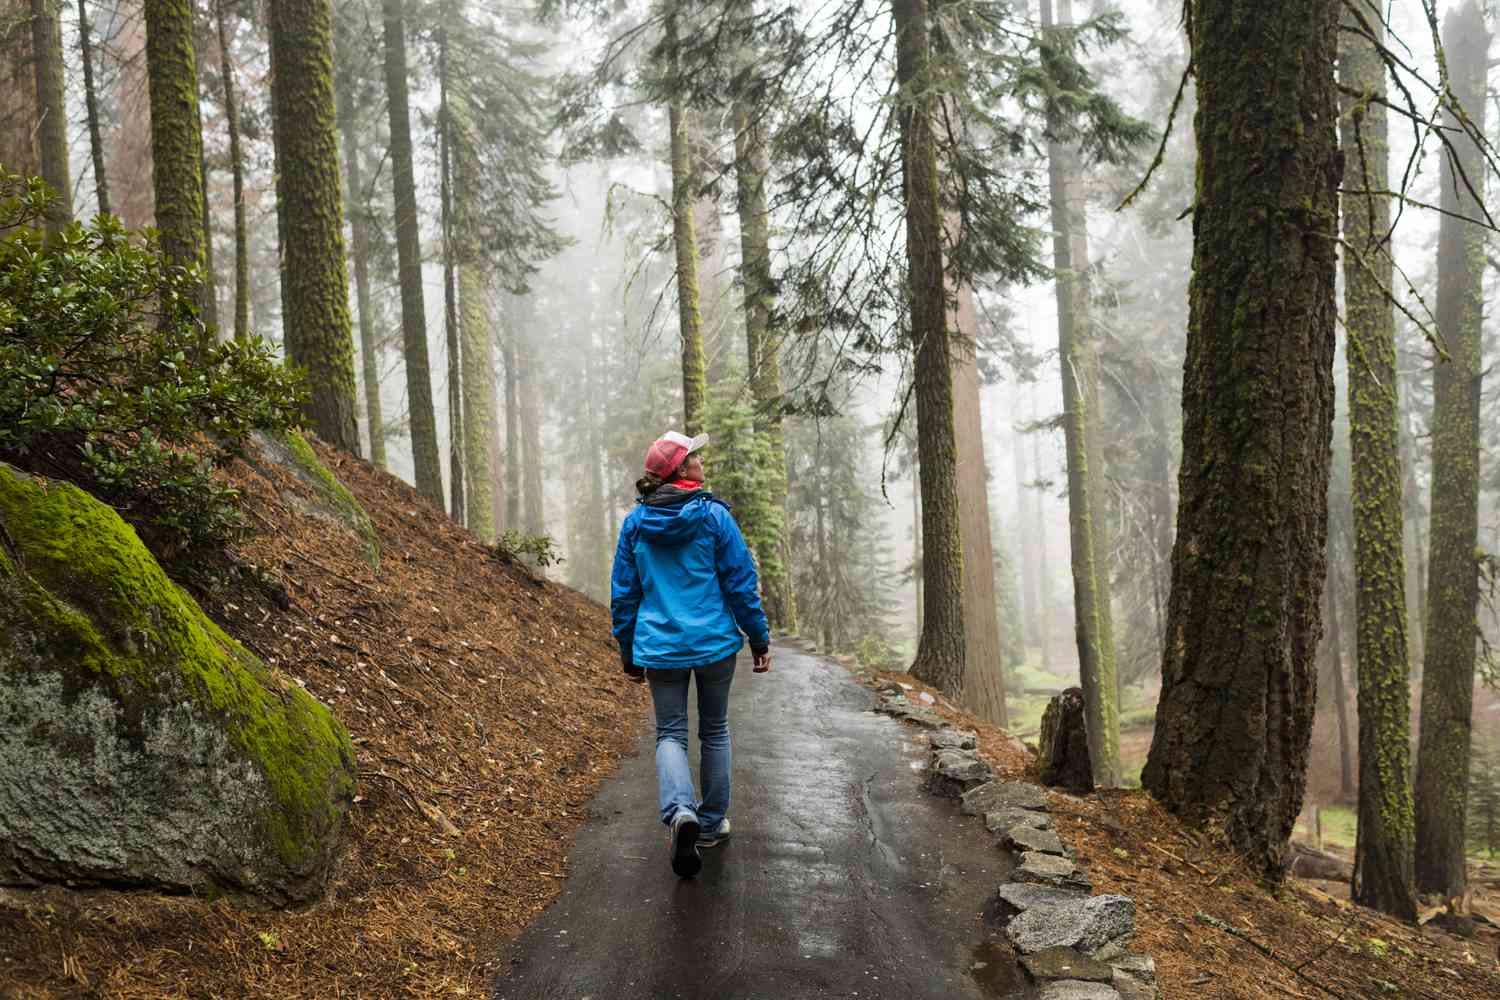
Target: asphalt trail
point(842, 877)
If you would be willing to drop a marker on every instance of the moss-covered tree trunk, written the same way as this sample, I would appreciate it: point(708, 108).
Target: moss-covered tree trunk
point(426, 463)
point(1453, 581)
point(941, 647)
point(450, 287)
point(314, 283)
point(763, 349)
point(529, 398)
point(358, 206)
point(1079, 359)
point(237, 172)
point(91, 107)
point(685, 242)
point(508, 356)
point(478, 398)
point(1383, 859)
point(176, 140)
point(52, 112)
point(1234, 720)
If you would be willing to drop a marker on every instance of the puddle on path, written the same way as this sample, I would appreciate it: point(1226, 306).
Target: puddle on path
point(994, 967)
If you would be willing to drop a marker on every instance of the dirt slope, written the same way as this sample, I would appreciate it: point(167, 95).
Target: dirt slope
point(485, 709)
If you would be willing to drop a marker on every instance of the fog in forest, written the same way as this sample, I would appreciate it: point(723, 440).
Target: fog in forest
point(561, 250)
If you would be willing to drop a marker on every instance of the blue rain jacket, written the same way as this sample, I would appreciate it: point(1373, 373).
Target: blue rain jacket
point(684, 586)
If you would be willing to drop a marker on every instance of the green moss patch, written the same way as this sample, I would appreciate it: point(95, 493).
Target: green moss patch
point(292, 451)
point(82, 598)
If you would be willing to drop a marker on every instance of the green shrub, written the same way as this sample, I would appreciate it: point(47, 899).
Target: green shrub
point(109, 380)
point(537, 550)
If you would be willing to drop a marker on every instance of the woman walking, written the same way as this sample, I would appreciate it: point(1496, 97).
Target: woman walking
point(683, 590)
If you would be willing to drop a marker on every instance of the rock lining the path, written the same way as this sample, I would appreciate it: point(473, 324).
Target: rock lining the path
point(1072, 945)
point(1003, 795)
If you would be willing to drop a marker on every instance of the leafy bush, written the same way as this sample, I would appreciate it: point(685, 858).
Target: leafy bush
point(108, 379)
point(513, 547)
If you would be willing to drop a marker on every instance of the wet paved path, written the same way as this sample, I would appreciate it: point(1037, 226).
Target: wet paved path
point(842, 879)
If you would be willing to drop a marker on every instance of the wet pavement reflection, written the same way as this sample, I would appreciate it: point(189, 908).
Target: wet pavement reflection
point(842, 877)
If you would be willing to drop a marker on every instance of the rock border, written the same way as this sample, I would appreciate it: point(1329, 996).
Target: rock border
point(1071, 943)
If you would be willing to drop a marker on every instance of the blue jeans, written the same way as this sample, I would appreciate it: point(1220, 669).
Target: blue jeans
point(674, 778)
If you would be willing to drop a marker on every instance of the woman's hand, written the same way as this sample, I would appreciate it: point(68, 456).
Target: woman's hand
point(762, 663)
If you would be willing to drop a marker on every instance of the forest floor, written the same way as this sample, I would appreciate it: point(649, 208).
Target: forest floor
point(485, 706)
point(1303, 941)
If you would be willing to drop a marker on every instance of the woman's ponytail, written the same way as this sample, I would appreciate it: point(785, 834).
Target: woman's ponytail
point(648, 484)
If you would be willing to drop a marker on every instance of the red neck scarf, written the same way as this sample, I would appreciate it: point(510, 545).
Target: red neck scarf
point(687, 484)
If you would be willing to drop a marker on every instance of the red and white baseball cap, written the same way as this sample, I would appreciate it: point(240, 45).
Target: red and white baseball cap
point(668, 452)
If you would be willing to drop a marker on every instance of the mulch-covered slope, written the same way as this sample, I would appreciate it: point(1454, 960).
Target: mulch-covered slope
point(485, 707)
point(1306, 942)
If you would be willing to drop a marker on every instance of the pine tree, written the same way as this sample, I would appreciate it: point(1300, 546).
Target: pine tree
point(1079, 359)
point(314, 285)
point(176, 136)
point(350, 50)
point(237, 171)
point(424, 446)
point(685, 245)
point(1453, 580)
point(91, 106)
point(1234, 720)
point(52, 112)
point(1383, 859)
point(941, 648)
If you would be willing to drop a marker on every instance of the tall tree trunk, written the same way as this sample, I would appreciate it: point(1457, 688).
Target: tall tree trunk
point(1335, 604)
point(176, 139)
point(941, 648)
point(763, 347)
point(1078, 357)
point(916, 538)
point(534, 522)
point(210, 276)
point(52, 127)
point(685, 241)
point(91, 105)
point(450, 290)
point(1453, 585)
point(314, 283)
point(984, 684)
point(1239, 678)
point(478, 397)
point(18, 115)
point(237, 170)
point(358, 208)
point(1383, 859)
point(513, 436)
point(1043, 572)
point(426, 463)
point(1027, 539)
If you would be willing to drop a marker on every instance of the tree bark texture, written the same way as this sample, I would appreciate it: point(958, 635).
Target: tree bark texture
point(52, 112)
point(763, 350)
point(1383, 859)
point(91, 106)
point(1079, 359)
point(237, 171)
point(314, 282)
point(685, 241)
point(450, 289)
point(426, 461)
point(942, 645)
point(176, 140)
point(478, 353)
point(1453, 582)
point(509, 339)
point(984, 684)
point(1239, 680)
point(18, 115)
point(357, 207)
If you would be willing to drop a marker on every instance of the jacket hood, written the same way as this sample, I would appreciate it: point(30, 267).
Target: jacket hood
point(674, 523)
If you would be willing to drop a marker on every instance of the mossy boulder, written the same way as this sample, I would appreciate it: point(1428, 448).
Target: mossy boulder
point(139, 744)
point(334, 503)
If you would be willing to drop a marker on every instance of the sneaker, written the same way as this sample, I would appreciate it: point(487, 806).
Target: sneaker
point(706, 839)
point(684, 841)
